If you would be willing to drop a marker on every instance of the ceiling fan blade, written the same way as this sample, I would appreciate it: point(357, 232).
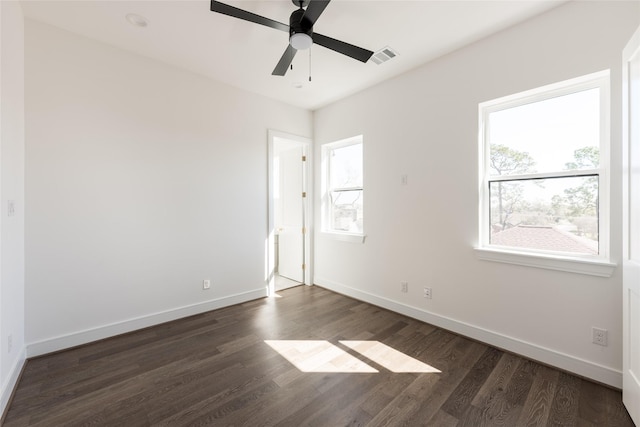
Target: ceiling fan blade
point(354, 52)
point(285, 61)
point(314, 10)
point(225, 9)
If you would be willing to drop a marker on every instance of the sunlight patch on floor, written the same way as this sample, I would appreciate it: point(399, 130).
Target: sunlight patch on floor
point(389, 358)
point(318, 356)
point(322, 356)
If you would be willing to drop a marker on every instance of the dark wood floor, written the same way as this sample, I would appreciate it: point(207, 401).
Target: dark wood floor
point(217, 369)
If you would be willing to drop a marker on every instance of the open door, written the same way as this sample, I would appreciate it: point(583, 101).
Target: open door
point(289, 245)
point(289, 220)
point(631, 229)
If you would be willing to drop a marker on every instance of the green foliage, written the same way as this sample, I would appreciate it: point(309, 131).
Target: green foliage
point(583, 200)
point(585, 158)
point(507, 161)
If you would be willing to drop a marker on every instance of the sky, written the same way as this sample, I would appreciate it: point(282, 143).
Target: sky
point(550, 130)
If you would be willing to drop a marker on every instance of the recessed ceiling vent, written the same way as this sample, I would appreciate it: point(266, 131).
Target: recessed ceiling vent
point(383, 55)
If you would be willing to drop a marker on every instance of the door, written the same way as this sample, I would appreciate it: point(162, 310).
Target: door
point(289, 241)
point(631, 229)
point(290, 216)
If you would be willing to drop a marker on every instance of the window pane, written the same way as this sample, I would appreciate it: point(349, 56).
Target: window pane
point(555, 214)
point(556, 134)
point(346, 166)
point(347, 211)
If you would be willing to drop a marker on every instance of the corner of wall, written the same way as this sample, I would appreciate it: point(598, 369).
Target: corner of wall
point(12, 147)
point(9, 385)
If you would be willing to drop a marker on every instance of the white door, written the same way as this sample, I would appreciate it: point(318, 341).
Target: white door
point(290, 221)
point(631, 230)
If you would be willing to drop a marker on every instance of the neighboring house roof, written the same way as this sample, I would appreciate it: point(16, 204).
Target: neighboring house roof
point(544, 237)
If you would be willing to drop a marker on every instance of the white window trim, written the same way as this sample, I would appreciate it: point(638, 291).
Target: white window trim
point(588, 266)
point(343, 236)
point(598, 265)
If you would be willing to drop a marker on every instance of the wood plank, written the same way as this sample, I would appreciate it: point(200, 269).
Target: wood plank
point(538, 404)
point(461, 397)
point(520, 384)
point(564, 409)
point(489, 406)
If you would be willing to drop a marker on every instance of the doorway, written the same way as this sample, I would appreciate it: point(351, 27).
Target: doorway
point(289, 216)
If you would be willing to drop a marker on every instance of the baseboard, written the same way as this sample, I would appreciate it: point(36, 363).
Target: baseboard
point(102, 332)
point(10, 384)
point(544, 355)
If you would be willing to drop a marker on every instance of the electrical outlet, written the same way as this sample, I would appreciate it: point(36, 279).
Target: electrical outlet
point(9, 343)
point(404, 287)
point(206, 284)
point(599, 336)
point(427, 293)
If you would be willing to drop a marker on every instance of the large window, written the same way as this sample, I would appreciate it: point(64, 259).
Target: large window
point(344, 186)
point(544, 170)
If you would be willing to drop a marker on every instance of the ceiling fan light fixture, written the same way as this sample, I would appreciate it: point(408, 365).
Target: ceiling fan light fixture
point(300, 41)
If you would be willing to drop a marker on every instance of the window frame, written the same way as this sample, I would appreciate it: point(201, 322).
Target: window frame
point(327, 190)
point(598, 264)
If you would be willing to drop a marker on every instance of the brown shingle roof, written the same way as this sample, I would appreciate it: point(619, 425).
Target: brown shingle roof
point(544, 237)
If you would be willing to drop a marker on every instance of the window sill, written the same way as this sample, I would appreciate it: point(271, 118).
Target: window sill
point(344, 237)
point(550, 262)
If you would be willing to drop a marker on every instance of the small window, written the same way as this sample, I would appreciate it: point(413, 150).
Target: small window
point(344, 193)
point(544, 170)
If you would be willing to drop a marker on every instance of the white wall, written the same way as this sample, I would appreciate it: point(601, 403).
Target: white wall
point(142, 180)
point(11, 188)
point(424, 124)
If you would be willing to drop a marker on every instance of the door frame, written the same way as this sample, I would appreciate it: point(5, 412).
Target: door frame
point(307, 183)
point(630, 261)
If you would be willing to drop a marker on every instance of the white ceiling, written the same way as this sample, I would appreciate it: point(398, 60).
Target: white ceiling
point(187, 34)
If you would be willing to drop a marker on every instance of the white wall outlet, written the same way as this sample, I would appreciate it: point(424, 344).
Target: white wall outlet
point(599, 336)
point(11, 208)
point(404, 179)
point(206, 284)
point(9, 343)
point(427, 293)
point(404, 287)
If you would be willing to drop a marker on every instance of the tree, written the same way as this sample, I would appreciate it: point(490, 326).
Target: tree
point(585, 158)
point(507, 161)
point(581, 202)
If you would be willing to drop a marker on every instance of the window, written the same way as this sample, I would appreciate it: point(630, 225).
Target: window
point(343, 196)
point(544, 171)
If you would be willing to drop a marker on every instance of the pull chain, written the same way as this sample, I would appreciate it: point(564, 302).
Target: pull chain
point(310, 62)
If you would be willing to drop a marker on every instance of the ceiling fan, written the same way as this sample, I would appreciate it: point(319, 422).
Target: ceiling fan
point(300, 29)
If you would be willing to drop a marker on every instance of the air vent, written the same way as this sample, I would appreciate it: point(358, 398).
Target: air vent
point(383, 55)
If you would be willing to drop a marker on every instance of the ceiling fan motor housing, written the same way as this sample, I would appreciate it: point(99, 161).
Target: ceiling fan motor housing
point(299, 25)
